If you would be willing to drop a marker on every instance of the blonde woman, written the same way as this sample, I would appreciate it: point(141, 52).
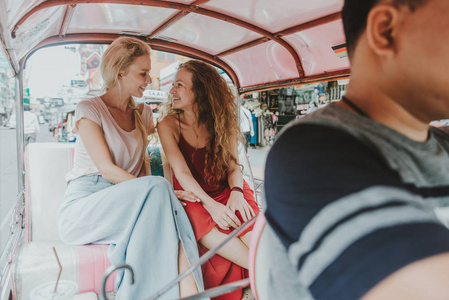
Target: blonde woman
point(199, 135)
point(109, 200)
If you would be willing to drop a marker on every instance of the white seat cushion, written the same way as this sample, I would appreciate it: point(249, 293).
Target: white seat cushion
point(46, 165)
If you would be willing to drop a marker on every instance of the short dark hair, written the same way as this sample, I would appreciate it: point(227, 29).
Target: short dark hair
point(355, 14)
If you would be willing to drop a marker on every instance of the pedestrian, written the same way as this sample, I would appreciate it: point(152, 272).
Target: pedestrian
point(30, 125)
point(350, 188)
point(246, 124)
point(109, 200)
point(199, 134)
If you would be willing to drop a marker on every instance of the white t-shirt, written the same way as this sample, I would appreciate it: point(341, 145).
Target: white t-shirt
point(245, 118)
point(125, 147)
point(30, 122)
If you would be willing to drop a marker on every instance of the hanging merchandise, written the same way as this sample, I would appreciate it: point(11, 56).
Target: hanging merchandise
point(273, 100)
point(268, 122)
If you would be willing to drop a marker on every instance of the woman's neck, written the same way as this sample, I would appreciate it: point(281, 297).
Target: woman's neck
point(190, 118)
point(112, 99)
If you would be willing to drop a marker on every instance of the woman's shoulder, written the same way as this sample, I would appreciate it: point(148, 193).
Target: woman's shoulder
point(169, 122)
point(93, 103)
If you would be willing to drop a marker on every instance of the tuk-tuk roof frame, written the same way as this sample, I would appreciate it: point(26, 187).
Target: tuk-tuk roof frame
point(236, 68)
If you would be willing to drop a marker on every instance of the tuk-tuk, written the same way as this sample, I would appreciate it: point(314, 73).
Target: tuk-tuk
point(259, 44)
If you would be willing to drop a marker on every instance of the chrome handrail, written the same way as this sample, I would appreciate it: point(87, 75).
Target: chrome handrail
point(108, 273)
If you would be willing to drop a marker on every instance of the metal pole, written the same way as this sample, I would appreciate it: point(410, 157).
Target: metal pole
point(20, 131)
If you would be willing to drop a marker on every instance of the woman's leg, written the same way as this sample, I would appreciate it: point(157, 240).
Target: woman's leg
point(246, 239)
point(187, 286)
point(137, 218)
point(234, 250)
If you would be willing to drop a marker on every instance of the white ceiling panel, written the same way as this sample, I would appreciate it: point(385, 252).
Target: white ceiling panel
point(39, 26)
point(115, 18)
point(208, 34)
point(263, 63)
point(276, 15)
point(315, 48)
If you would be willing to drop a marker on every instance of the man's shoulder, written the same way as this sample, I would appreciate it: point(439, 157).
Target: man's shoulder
point(325, 136)
point(321, 163)
point(324, 186)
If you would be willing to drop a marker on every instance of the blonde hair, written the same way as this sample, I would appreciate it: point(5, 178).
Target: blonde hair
point(216, 108)
point(117, 58)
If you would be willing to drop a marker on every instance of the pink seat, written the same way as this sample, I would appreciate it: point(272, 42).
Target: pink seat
point(255, 265)
point(45, 167)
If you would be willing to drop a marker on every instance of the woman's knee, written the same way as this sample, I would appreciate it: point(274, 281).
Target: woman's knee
point(155, 182)
point(158, 188)
point(211, 237)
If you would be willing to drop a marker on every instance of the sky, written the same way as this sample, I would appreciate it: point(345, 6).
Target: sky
point(49, 69)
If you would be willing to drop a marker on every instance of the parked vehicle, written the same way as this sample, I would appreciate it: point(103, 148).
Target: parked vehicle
point(258, 44)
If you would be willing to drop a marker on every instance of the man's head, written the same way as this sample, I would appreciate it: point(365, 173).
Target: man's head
point(355, 14)
point(399, 50)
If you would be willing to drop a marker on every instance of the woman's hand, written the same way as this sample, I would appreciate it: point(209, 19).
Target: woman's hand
point(222, 215)
point(236, 202)
point(186, 196)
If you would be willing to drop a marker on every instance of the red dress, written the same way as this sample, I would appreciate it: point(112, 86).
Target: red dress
point(217, 270)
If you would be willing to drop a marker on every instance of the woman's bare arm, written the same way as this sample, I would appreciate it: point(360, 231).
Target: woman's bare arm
point(169, 136)
point(95, 143)
point(236, 201)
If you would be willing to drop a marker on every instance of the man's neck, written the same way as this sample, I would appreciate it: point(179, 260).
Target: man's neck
point(385, 110)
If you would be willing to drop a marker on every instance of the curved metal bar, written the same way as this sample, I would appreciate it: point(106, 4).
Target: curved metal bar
point(108, 273)
point(155, 44)
point(174, 5)
point(203, 258)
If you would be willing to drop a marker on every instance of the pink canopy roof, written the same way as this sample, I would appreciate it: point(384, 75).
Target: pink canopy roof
point(260, 43)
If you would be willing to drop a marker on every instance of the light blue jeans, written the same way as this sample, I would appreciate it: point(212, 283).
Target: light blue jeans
point(143, 222)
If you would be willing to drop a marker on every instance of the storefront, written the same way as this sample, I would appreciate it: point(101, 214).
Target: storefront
point(273, 109)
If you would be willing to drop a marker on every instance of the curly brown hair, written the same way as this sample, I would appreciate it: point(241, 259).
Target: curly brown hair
point(216, 107)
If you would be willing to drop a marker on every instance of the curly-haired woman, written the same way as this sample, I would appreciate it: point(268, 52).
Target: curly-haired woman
point(199, 134)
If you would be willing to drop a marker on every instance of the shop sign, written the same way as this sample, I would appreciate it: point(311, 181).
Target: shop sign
point(155, 94)
point(93, 61)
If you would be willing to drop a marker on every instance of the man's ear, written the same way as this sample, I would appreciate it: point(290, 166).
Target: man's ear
point(381, 29)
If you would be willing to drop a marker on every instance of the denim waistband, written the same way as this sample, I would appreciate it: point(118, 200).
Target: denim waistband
point(91, 178)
